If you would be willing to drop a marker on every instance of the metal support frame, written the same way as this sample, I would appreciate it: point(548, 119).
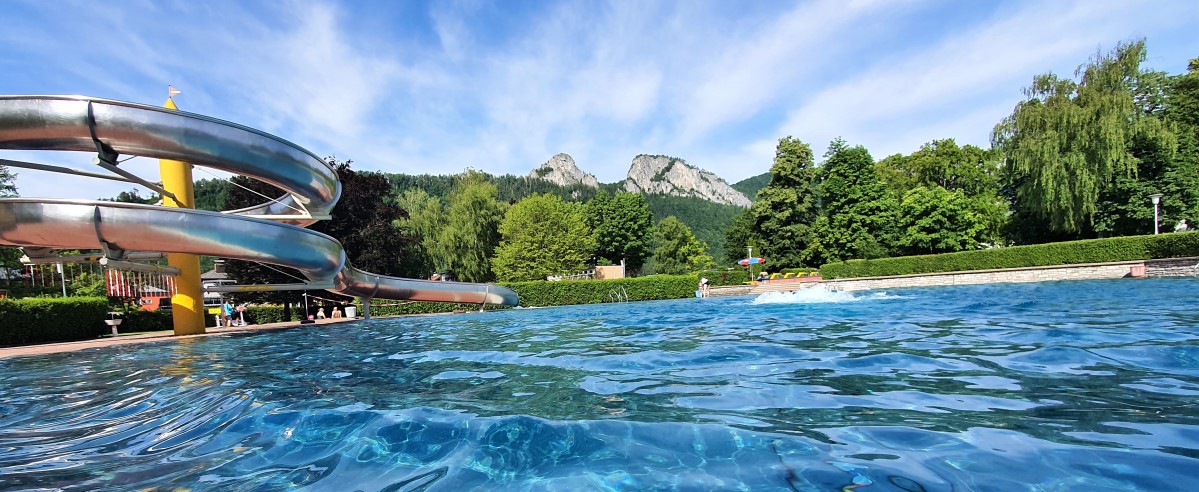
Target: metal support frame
point(106, 158)
point(138, 267)
point(269, 287)
point(42, 260)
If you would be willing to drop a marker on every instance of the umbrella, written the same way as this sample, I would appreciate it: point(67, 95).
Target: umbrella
point(751, 261)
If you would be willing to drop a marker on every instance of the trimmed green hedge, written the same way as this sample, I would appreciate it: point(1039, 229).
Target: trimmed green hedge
point(1126, 248)
point(137, 321)
point(542, 293)
point(52, 319)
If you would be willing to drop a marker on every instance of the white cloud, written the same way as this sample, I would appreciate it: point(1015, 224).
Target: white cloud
point(716, 84)
point(940, 88)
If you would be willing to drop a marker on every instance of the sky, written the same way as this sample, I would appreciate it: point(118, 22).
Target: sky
point(437, 87)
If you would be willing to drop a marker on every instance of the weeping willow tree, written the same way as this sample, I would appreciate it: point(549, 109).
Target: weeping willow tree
point(1070, 139)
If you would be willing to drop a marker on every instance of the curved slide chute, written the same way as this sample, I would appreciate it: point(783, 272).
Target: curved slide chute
point(269, 233)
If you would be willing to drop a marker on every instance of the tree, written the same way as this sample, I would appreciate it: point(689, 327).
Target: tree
point(8, 182)
point(971, 176)
point(212, 194)
point(134, 196)
point(936, 220)
point(859, 212)
point(425, 218)
point(780, 220)
point(740, 234)
point(622, 227)
point(10, 258)
point(1068, 140)
point(361, 221)
point(471, 232)
point(542, 235)
point(88, 285)
point(678, 252)
point(969, 169)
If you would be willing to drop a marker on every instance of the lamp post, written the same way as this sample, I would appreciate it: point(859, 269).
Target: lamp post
point(750, 261)
point(1157, 198)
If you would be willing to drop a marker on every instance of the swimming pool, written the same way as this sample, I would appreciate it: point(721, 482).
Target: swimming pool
point(1067, 385)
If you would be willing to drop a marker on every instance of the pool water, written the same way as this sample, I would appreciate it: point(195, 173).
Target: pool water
point(1055, 386)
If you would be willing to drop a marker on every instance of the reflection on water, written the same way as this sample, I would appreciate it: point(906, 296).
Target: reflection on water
point(1076, 385)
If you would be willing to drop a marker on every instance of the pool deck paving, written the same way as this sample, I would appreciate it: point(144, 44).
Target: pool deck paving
point(155, 336)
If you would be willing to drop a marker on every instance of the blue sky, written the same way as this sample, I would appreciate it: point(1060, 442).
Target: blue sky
point(436, 87)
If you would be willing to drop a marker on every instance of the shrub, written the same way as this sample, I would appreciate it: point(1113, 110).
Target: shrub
point(1126, 248)
point(52, 319)
point(137, 321)
point(261, 314)
point(543, 293)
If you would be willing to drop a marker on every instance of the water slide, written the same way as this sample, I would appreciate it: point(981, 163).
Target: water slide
point(270, 233)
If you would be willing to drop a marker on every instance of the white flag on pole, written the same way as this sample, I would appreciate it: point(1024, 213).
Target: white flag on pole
point(171, 91)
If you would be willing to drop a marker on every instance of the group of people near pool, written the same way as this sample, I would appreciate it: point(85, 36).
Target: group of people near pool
point(320, 313)
point(232, 316)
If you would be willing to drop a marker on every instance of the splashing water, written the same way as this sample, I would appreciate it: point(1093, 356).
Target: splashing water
point(818, 294)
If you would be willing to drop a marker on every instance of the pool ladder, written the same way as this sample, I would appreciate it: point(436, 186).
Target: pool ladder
point(618, 295)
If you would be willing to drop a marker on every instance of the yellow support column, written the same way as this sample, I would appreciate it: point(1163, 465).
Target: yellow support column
point(187, 305)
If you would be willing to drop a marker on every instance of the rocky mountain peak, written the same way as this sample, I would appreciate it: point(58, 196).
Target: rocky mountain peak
point(562, 170)
point(673, 176)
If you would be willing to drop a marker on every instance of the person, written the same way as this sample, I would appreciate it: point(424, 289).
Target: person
point(227, 313)
point(763, 276)
point(1182, 226)
point(320, 313)
point(336, 312)
point(704, 289)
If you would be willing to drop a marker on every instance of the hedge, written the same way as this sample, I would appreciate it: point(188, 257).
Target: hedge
point(52, 319)
point(654, 287)
point(137, 321)
point(1126, 248)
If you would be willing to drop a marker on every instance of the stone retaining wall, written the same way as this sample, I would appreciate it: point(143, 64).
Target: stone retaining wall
point(1173, 267)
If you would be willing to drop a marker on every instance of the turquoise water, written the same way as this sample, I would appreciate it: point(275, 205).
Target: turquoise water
point(1055, 386)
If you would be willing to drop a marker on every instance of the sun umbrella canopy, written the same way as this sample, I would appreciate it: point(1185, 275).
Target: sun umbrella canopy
point(751, 261)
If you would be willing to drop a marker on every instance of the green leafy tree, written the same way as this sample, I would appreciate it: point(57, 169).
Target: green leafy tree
point(425, 218)
point(678, 251)
point(740, 234)
point(1069, 139)
point(542, 235)
point(780, 220)
point(936, 220)
point(134, 196)
point(622, 226)
point(212, 194)
point(468, 240)
point(1181, 179)
point(969, 169)
point(10, 258)
point(859, 210)
point(88, 285)
point(8, 182)
point(973, 176)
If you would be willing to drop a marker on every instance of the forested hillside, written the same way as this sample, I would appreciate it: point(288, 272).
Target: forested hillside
point(750, 186)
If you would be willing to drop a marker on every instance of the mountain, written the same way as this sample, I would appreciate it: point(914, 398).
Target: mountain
point(665, 175)
point(562, 171)
point(750, 186)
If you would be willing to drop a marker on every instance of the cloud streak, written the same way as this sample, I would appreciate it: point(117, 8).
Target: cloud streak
point(501, 87)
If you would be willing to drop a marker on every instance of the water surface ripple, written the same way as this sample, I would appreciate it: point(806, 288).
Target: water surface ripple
point(1054, 386)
